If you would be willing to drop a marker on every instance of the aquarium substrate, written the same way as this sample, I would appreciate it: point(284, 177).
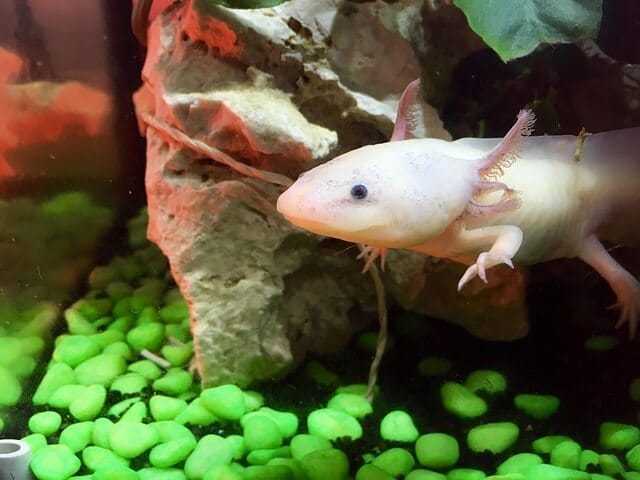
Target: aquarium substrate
point(119, 401)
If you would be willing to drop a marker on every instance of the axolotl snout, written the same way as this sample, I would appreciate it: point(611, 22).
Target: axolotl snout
point(483, 202)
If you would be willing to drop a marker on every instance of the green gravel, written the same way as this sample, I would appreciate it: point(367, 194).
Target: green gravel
point(113, 414)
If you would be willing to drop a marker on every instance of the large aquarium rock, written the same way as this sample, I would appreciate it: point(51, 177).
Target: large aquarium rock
point(283, 89)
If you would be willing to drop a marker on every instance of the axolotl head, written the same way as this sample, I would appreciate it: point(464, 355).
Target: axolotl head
point(396, 194)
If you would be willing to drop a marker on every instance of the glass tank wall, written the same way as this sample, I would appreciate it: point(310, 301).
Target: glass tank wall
point(224, 343)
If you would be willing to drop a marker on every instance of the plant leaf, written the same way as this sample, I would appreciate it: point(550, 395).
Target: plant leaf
point(246, 3)
point(514, 28)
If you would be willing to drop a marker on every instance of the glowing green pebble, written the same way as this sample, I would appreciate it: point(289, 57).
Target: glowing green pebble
point(225, 401)
point(177, 355)
point(122, 324)
point(601, 343)
point(465, 474)
point(119, 348)
point(544, 445)
point(166, 408)
point(75, 349)
point(611, 465)
point(519, 463)
point(45, 423)
point(332, 424)
point(287, 422)
point(551, 472)
point(196, 414)
point(101, 369)
point(618, 436)
point(24, 366)
point(96, 458)
point(54, 462)
point(101, 428)
point(395, 461)
point(633, 458)
point(492, 437)
point(222, 472)
point(135, 413)
point(254, 400)
point(77, 436)
point(66, 394)
point(149, 336)
point(77, 323)
point(108, 337)
point(172, 452)
point(267, 472)
point(90, 404)
point(434, 366)
point(355, 405)
point(537, 406)
point(260, 432)
point(130, 439)
point(161, 474)
point(57, 375)
point(321, 374)
point(236, 443)
point(566, 454)
point(175, 312)
point(488, 381)
point(147, 369)
point(36, 441)
point(211, 450)
point(330, 463)
point(118, 290)
point(129, 383)
point(437, 450)
point(304, 443)
point(371, 472)
point(398, 426)
point(627, 476)
point(634, 390)
point(421, 474)
point(588, 458)
point(174, 382)
point(101, 276)
point(170, 430)
point(461, 401)
point(115, 472)
point(122, 406)
point(10, 391)
point(264, 455)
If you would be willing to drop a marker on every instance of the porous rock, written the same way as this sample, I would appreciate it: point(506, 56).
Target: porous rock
point(280, 89)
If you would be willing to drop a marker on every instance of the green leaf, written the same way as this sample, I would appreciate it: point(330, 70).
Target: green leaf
point(514, 28)
point(246, 3)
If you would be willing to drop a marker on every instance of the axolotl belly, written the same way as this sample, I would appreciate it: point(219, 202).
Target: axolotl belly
point(483, 202)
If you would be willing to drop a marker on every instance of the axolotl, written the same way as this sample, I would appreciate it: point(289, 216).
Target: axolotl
point(483, 201)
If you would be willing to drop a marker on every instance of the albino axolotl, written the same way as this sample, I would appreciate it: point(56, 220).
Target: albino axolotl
point(483, 202)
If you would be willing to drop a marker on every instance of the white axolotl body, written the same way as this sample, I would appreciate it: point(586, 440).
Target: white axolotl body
point(483, 202)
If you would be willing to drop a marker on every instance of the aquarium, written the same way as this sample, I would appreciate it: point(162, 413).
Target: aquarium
point(319, 240)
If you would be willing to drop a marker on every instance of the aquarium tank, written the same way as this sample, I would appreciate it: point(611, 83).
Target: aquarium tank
point(319, 240)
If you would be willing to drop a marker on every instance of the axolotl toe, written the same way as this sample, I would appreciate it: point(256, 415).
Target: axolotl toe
point(483, 202)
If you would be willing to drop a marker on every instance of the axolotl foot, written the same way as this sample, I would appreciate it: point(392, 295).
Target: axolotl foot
point(623, 284)
point(628, 301)
point(485, 261)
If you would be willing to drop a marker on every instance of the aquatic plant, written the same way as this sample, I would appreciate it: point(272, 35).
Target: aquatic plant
point(515, 29)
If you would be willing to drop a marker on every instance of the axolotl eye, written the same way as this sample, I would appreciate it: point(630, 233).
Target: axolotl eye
point(359, 192)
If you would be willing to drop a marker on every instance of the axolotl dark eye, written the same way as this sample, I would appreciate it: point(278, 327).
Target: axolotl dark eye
point(359, 192)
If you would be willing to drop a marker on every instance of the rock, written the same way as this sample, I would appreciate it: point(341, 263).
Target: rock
point(282, 89)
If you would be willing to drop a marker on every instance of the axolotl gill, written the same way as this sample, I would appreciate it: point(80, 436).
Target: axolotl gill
point(483, 202)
